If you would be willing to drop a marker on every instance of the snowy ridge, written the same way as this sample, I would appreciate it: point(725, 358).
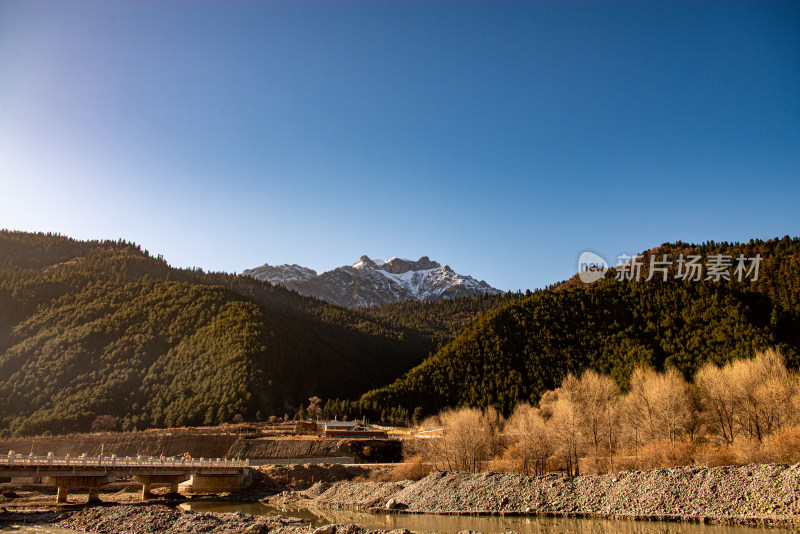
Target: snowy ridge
point(369, 282)
point(281, 274)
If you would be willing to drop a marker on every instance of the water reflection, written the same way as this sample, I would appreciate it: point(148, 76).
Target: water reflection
point(487, 524)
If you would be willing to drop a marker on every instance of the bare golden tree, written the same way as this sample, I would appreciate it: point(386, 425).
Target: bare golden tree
point(639, 408)
point(597, 399)
point(565, 424)
point(673, 398)
point(531, 441)
point(751, 397)
point(775, 392)
point(764, 389)
point(465, 443)
point(658, 406)
point(314, 406)
point(718, 400)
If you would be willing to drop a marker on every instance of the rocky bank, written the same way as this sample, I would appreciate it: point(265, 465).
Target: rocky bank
point(753, 495)
point(144, 519)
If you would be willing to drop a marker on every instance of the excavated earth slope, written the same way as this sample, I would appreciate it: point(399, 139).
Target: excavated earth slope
point(207, 446)
point(199, 446)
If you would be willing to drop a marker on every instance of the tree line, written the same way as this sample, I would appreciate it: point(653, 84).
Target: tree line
point(745, 411)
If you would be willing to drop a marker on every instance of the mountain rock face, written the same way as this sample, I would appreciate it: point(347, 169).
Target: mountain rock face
point(281, 274)
point(374, 282)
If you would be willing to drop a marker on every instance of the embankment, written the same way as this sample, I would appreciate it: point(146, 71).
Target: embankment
point(753, 495)
point(363, 450)
point(146, 444)
point(303, 476)
point(207, 446)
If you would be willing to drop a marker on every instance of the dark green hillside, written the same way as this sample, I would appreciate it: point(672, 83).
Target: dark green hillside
point(441, 320)
point(517, 352)
point(92, 328)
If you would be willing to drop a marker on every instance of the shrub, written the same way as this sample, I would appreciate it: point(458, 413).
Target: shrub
point(413, 469)
point(783, 447)
point(666, 453)
point(713, 455)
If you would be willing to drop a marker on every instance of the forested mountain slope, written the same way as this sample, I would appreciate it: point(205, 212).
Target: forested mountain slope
point(440, 320)
point(528, 346)
point(96, 328)
point(91, 328)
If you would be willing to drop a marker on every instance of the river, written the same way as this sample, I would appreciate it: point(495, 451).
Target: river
point(439, 523)
point(447, 524)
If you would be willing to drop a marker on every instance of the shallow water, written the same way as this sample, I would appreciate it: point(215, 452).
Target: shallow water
point(487, 524)
point(445, 524)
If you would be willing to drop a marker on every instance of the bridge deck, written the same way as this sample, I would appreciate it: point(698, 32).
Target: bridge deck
point(212, 475)
point(18, 465)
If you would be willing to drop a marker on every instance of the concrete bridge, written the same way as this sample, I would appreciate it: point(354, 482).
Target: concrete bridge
point(206, 475)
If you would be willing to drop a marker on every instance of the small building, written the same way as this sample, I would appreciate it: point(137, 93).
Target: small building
point(349, 429)
point(308, 428)
point(340, 425)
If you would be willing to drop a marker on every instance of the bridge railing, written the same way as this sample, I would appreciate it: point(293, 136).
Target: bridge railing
point(17, 460)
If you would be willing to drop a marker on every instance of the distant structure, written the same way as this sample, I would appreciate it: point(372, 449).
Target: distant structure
point(349, 429)
point(427, 434)
point(308, 428)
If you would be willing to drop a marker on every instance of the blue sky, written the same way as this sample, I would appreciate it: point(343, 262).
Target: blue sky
point(501, 138)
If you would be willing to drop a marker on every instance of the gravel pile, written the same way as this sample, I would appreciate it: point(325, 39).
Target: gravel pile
point(358, 495)
point(299, 476)
point(149, 519)
point(28, 516)
point(757, 494)
point(130, 519)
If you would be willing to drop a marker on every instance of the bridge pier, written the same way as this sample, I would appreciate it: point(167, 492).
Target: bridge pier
point(61, 495)
point(215, 483)
point(63, 483)
point(215, 475)
point(147, 482)
point(93, 495)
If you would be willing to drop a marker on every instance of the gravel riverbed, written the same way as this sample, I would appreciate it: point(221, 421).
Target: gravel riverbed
point(766, 495)
point(154, 519)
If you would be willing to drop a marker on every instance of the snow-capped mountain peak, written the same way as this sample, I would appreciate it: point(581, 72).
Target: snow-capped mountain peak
point(365, 262)
point(370, 282)
point(401, 265)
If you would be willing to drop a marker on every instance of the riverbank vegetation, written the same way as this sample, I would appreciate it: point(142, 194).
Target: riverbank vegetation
point(746, 411)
